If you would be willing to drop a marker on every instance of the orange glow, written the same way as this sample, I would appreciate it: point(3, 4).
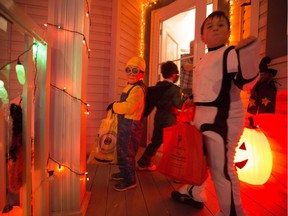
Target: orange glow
point(253, 157)
point(60, 168)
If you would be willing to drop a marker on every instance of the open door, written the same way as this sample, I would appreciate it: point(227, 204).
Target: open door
point(175, 35)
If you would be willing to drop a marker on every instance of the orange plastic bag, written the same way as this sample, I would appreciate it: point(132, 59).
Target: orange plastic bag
point(183, 156)
point(186, 114)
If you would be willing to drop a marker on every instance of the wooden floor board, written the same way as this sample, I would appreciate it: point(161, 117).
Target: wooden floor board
point(116, 201)
point(152, 196)
point(136, 204)
point(99, 192)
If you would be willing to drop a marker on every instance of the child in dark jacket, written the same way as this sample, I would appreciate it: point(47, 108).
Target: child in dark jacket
point(167, 109)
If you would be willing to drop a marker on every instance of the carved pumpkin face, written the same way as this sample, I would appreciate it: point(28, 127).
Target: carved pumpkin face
point(253, 158)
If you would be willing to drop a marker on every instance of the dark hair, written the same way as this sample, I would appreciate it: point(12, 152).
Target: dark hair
point(168, 68)
point(218, 14)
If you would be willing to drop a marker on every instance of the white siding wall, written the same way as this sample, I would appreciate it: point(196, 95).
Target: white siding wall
point(263, 6)
point(99, 65)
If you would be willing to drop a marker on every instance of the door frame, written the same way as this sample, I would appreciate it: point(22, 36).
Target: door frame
point(157, 17)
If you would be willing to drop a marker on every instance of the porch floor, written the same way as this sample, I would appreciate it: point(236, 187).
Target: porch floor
point(152, 197)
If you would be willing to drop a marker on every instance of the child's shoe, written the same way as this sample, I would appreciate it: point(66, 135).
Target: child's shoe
point(123, 186)
point(148, 168)
point(117, 176)
point(186, 199)
point(191, 195)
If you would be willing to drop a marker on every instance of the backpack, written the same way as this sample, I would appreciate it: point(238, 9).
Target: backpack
point(153, 95)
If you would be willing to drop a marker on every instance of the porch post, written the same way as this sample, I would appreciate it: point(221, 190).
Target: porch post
point(67, 31)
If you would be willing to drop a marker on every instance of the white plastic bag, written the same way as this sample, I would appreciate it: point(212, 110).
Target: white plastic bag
point(104, 148)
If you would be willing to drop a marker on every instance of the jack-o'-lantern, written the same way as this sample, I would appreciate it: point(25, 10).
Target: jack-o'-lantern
point(253, 159)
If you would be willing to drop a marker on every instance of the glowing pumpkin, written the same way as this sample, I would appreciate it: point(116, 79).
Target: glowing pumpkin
point(253, 158)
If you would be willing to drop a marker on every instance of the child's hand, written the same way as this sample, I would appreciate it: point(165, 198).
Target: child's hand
point(245, 42)
point(189, 102)
point(187, 66)
point(110, 107)
point(248, 51)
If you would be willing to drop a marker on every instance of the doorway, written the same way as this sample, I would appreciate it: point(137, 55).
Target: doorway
point(176, 34)
point(174, 38)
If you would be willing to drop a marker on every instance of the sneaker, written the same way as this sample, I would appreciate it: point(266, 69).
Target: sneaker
point(123, 186)
point(186, 199)
point(117, 176)
point(148, 168)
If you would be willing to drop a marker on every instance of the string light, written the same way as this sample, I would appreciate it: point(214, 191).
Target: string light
point(61, 167)
point(142, 28)
point(64, 90)
point(51, 172)
point(72, 31)
point(36, 71)
point(88, 13)
point(17, 59)
point(234, 14)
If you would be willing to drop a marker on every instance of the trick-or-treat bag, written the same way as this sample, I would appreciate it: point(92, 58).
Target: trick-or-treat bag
point(104, 147)
point(187, 114)
point(183, 156)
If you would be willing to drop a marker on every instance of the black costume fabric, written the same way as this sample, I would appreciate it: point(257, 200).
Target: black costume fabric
point(15, 163)
point(263, 95)
point(263, 98)
point(154, 94)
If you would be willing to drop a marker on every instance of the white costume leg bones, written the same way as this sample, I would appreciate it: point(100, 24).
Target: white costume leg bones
point(222, 132)
point(221, 163)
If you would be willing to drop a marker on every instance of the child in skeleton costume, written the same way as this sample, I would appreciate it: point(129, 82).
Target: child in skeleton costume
point(218, 79)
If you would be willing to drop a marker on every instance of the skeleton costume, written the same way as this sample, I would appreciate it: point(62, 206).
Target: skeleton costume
point(218, 79)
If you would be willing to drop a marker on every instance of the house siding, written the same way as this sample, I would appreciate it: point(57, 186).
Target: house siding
point(99, 65)
point(262, 28)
